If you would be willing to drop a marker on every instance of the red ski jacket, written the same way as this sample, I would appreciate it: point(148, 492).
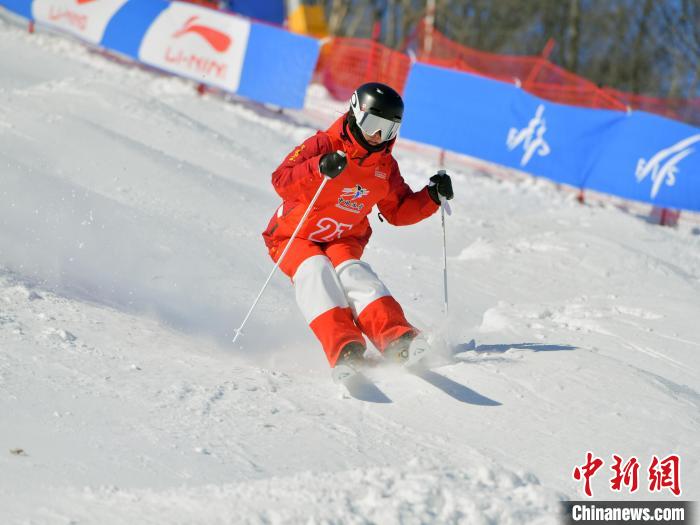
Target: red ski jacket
point(342, 207)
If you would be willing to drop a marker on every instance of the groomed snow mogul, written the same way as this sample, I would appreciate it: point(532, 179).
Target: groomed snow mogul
point(329, 185)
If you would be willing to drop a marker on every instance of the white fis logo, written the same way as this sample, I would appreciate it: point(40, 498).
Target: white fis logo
point(531, 137)
point(664, 165)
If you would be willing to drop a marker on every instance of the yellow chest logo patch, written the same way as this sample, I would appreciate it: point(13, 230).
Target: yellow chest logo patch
point(296, 153)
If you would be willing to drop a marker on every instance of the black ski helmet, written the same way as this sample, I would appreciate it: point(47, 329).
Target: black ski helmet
point(377, 107)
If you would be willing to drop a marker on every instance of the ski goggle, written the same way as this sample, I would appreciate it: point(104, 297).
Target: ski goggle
point(371, 124)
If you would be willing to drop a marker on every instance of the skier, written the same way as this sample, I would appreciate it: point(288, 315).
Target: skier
point(339, 294)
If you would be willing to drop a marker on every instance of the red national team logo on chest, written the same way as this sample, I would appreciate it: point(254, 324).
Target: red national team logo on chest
point(349, 196)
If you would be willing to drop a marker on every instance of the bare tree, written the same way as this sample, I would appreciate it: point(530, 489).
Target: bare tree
point(337, 10)
point(571, 50)
point(649, 47)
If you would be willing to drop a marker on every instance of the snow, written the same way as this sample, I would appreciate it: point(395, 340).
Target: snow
point(130, 248)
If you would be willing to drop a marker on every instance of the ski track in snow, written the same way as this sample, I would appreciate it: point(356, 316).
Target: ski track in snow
point(130, 220)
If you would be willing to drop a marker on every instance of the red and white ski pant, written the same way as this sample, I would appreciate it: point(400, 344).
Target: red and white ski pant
point(340, 296)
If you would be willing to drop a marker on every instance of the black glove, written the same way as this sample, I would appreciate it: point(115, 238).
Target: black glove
point(440, 185)
point(332, 164)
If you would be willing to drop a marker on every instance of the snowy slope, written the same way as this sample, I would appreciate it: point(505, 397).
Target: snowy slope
point(130, 220)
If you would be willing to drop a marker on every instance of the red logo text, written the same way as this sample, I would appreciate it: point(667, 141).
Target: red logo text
point(662, 473)
point(70, 17)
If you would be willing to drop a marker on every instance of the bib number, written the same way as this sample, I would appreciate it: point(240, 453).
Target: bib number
point(329, 230)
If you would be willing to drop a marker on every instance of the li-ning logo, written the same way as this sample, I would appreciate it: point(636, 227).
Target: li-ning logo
point(216, 39)
point(663, 167)
point(72, 18)
point(203, 65)
point(531, 137)
point(347, 198)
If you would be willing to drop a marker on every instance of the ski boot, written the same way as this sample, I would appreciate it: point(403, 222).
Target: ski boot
point(408, 350)
point(397, 351)
point(349, 362)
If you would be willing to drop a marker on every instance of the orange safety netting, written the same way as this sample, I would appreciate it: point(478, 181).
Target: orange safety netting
point(687, 110)
point(435, 48)
point(346, 63)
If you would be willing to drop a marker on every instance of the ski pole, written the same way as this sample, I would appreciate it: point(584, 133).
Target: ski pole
point(444, 254)
point(238, 330)
point(444, 206)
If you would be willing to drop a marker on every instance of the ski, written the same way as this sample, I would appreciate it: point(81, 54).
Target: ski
point(420, 352)
point(424, 355)
point(421, 356)
point(358, 385)
point(343, 373)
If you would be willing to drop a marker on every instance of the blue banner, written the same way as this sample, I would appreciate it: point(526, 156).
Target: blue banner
point(20, 7)
point(137, 16)
point(278, 66)
point(649, 158)
point(636, 156)
point(271, 11)
point(255, 60)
